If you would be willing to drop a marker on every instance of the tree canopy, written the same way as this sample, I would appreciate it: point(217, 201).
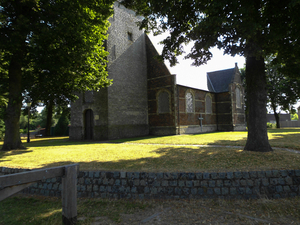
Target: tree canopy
point(254, 29)
point(50, 50)
point(283, 90)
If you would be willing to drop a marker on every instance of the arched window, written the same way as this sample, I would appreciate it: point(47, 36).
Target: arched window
point(238, 97)
point(208, 104)
point(163, 102)
point(189, 102)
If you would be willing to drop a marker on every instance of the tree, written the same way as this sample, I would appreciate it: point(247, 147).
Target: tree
point(283, 91)
point(254, 29)
point(50, 49)
point(63, 123)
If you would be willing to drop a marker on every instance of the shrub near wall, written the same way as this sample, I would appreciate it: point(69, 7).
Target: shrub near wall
point(141, 185)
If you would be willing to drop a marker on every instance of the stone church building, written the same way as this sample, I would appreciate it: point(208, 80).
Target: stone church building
point(145, 99)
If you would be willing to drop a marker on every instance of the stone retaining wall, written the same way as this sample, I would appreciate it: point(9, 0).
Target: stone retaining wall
point(141, 185)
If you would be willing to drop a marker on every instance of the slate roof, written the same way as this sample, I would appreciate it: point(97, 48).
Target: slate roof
point(218, 81)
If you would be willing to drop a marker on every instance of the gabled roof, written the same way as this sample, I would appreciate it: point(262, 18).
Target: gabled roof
point(218, 81)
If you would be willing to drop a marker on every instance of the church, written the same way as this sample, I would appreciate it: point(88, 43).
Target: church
point(145, 98)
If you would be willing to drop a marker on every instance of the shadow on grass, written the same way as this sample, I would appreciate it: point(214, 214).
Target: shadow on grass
point(188, 159)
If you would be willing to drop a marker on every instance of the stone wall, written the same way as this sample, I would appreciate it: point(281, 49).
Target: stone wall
point(176, 185)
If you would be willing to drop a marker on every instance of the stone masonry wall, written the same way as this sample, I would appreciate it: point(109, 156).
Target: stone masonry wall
point(176, 185)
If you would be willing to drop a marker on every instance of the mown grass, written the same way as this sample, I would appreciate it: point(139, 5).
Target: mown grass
point(159, 153)
point(283, 138)
point(139, 154)
point(47, 210)
point(44, 210)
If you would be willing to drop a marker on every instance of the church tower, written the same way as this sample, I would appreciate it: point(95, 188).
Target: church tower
point(120, 110)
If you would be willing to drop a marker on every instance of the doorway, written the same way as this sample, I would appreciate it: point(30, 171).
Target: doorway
point(89, 125)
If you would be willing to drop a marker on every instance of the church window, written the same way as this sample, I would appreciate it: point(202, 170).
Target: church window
point(163, 102)
point(130, 38)
point(189, 102)
point(238, 97)
point(88, 96)
point(208, 104)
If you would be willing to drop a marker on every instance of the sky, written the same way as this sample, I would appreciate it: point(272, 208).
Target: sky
point(193, 76)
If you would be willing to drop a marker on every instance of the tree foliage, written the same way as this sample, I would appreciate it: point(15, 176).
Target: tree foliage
point(254, 29)
point(283, 90)
point(50, 50)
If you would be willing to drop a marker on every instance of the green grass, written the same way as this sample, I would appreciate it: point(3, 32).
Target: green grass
point(159, 153)
point(284, 138)
point(45, 210)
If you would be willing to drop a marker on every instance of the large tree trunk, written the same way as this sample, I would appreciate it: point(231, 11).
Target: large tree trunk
point(12, 138)
point(257, 113)
point(49, 108)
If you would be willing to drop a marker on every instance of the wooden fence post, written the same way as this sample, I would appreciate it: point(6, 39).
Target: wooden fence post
point(69, 195)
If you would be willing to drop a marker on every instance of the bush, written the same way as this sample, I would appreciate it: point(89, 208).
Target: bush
point(271, 125)
point(62, 125)
point(2, 129)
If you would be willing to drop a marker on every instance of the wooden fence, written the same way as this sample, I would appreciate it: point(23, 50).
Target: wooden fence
point(11, 184)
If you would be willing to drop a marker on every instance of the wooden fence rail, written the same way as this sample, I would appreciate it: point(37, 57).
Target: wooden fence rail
point(13, 183)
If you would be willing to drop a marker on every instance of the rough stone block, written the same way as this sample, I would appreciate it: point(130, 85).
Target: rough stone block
point(222, 175)
point(174, 176)
point(268, 174)
point(243, 182)
point(194, 191)
point(117, 182)
point(177, 191)
point(289, 180)
point(206, 176)
point(181, 183)
point(164, 183)
point(248, 191)
point(200, 191)
point(261, 174)
point(191, 176)
point(173, 183)
point(196, 183)
point(245, 175)
point(136, 182)
point(283, 173)
point(229, 175)
point(210, 191)
point(275, 173)
point(253, 174)
point(286, 189)
point(273, 181)
point(211, 183)
point(186, 191)
point(225, 191)
point(265, 182)
point(189, 184)
point(204, 184)
point(237, 175)
point(167, 176)
point(198, 176)
point(219, 183)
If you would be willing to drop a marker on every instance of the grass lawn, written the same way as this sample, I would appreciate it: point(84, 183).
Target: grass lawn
point(160, 153)
point(156, 154)
point(46, 211)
